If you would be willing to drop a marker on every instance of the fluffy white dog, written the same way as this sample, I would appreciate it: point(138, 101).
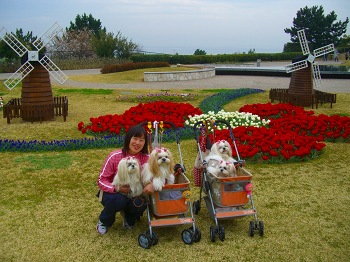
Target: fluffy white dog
point(221, 168)
point(129, 174)
point(159, 169)
point(223, 149)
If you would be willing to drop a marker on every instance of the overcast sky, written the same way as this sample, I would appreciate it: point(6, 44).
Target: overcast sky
point(175, 26)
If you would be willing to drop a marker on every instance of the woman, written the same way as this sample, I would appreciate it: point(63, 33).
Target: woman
point(115, 199)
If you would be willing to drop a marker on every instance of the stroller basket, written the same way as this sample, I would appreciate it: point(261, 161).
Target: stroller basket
point(170, 200)
point(229, 191)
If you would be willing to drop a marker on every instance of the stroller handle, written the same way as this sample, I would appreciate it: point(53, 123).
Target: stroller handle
point(176, 137)
point(165, 122)
point(195, 129)
point(216, 121)
point(228, 126)
point(240, 161)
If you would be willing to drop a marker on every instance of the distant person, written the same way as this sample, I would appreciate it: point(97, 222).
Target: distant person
point(336, 55)
point(347, 55)
point(325, 57)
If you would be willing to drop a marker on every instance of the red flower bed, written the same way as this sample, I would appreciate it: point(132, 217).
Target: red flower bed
point(176, 113)
point(305, 123)
point(293, 134)
point(261, 143)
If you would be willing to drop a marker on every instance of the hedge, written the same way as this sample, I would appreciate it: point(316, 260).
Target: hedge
point(131, 66)
point(214, 59)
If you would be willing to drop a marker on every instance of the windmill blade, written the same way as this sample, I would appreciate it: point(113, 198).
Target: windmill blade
point(17, 76)
point(317, 75)
point(296, 66)
point(324, 50)
point(53, 69)
point(47, 36)
point(13, 42)
point(303, 42)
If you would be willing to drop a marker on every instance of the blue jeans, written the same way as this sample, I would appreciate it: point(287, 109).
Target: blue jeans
point(115, 202)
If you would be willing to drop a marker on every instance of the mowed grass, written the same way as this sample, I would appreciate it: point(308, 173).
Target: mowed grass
point(48, 208)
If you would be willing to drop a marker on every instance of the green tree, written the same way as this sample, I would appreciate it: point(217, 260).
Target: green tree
point(345, 41)
point(105, 45)
point(87, 21)
point(200, 52)
point(26, 39)
point(124, 47)
point(320, 29)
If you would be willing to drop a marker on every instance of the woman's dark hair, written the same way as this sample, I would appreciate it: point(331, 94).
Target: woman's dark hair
point(135, 131)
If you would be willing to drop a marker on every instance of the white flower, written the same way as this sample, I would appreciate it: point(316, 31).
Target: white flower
point(233, 118)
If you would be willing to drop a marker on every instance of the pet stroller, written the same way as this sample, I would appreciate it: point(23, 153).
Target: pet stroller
point(226, 197)
point(172, 205)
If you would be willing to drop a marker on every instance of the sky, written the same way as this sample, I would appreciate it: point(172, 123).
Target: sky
point(175, 26)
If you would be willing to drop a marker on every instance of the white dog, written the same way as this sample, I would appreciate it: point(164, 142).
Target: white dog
point(159, 169)
point(129, 174)
point(221, 168)
point(223, 149)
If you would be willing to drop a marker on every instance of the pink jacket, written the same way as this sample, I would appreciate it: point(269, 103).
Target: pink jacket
point(110, 168)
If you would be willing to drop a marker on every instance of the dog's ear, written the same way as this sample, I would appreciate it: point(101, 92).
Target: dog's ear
point(172, 162)
point(123, 171)
point(229, 148)
point(153, 163)
point(214, 148)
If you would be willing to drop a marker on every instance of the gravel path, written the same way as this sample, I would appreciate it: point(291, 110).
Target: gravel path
point(229, 81)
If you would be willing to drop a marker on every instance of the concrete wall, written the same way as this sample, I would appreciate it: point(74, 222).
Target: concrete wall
point(179, 75)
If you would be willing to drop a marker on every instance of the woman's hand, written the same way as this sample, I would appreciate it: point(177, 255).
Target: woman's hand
point(123, 189)
point(148, 189)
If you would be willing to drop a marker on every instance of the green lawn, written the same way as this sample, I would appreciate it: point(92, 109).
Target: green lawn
point(48, 208)
point(126, 76)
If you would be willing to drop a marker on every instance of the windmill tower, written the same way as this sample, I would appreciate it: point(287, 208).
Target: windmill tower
point(305, 71)
point(37, 100)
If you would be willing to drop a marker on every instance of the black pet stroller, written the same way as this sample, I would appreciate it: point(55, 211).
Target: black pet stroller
point(226, 197)
point(172, 205)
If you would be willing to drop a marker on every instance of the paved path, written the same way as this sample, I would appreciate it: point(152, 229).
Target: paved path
point(229, 82)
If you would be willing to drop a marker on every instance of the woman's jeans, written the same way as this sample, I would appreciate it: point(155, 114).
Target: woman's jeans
point(116, 202)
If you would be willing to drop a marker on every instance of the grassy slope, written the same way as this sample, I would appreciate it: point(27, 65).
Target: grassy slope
point(48, 210)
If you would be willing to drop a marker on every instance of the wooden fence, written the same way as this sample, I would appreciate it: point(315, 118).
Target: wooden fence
point(14, 109)
point(318, 97)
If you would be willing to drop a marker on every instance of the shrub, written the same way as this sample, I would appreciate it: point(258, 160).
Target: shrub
point(132, 66)
point(214, 59)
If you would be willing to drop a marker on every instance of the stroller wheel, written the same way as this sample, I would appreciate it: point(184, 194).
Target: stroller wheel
point(153, 237)
point(212, 233)
point(145, 241)
point(196, 207)
point(221, 233)
point(261, 228)
point(251, 228)
point(187, 236)
point(197, 234)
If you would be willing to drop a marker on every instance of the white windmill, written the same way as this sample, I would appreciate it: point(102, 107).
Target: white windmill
point(37, 102)
point(309, 58)
point(33, 56)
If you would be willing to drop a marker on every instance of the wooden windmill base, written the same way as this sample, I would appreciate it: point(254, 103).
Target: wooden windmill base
point(37, 99)
point(301, 87)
